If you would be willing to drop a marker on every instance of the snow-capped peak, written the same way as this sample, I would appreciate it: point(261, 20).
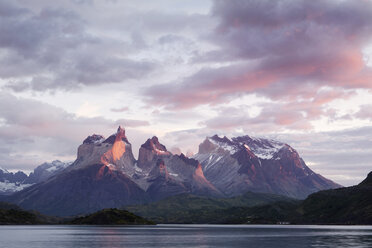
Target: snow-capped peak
point(224, 143)
point(94, 139)
point(57, 165)
point(261, 147)
point(3, 170)
point(153, 144)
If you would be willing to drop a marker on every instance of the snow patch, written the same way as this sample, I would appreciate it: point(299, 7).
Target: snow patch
point(136, 168)
point(54, 166)
point(51, 169)
point(265, 148)
point(227, 147)
point(3, 170)
point(210, 160)
point(267, 152)
point(158, 151)
point(261, 147)
point(173, 174)
point(218, 159)
point(99, 141)
point(6, 187)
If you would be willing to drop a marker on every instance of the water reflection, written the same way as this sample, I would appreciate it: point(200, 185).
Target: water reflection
point(357, 240)
point(185, 236)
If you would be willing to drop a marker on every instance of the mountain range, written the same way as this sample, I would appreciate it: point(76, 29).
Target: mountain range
point(243, 164)
point(350, 205)
point(12, 182)
point(105, 174)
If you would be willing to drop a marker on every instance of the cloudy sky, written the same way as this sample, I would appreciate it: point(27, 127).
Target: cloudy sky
point(298, 71)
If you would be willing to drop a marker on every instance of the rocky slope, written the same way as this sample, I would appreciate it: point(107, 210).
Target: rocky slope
point(99, 178)
point(244, 164)
point(163, 174)
point(106, 174)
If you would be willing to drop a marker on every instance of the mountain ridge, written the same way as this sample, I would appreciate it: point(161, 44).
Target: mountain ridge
point(259, 165)
point(105, 174)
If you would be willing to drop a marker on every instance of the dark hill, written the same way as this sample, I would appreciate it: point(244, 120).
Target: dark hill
point(198, 209)
point(367, 181)
point(111, 216)
point(11, 214)
point(350, 205)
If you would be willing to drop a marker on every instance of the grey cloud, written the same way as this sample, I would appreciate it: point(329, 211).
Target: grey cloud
point(27, 32)
point(265, 28)
point(32, 132)
point(54, 49)
point(365, 112)
point(169, 22)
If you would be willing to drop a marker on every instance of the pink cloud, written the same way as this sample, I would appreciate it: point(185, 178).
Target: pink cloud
point(282, 50)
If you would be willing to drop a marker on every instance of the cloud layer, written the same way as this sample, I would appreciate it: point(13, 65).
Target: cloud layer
point(283, 50)
point(53, 48)
point(297, 70)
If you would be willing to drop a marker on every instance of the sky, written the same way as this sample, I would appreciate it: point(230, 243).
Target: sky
point(297, 71)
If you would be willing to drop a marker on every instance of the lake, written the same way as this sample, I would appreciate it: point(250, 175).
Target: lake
point(255, 236)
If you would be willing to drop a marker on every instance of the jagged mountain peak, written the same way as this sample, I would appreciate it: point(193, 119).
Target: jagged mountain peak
point(260, 147)
point(94, 139)
point(119, 135)
point(189, 161)
point(224, 139)
point(154, 145)
point(121, 130)
point(114, 152)
point(215, 144)
point(149, 152)
point(223, 167)
point(235, 165)
point(54, 163)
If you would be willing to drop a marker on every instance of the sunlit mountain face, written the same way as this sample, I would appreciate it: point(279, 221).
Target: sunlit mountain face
point(105, 174)
point(298, 72)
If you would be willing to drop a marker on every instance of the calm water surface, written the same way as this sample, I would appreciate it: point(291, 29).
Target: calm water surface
point(185, 236)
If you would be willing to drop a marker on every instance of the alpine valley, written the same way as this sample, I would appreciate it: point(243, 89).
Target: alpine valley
point(105, 174)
